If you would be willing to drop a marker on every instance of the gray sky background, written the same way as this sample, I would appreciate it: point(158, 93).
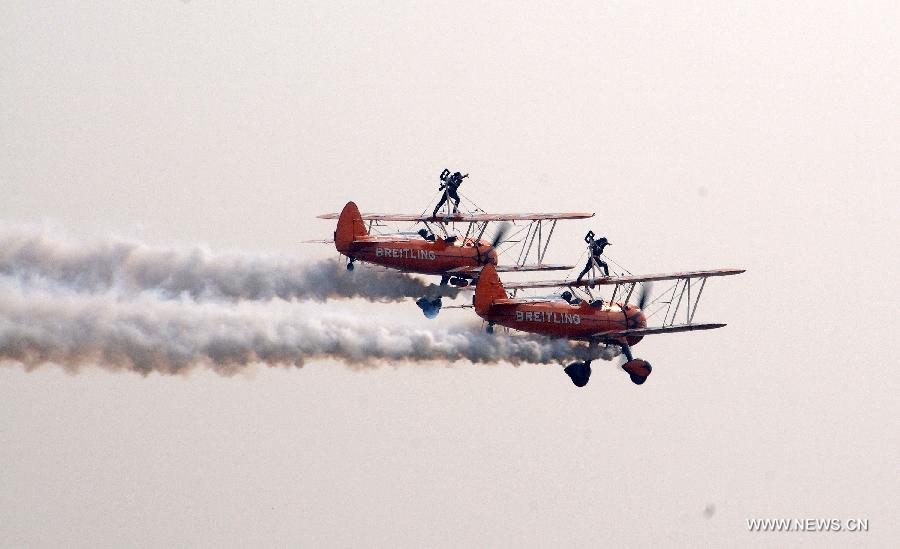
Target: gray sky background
point(761, 135)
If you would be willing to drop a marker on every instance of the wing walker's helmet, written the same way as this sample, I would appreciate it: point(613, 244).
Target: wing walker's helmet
point(590, 240)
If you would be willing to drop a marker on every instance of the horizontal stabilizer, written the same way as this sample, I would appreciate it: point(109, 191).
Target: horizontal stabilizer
point(467, 218)
point(627, 279)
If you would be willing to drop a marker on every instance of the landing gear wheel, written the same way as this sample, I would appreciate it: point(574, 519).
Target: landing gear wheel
point(638, 370)
point(489, 329)
point(579, 373)
point(349, 266)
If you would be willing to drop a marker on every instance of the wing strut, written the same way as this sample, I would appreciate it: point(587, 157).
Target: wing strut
point(534, 234)
point(697, 300)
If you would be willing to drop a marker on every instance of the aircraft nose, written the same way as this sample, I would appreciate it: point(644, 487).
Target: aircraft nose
point(636, 317)
point(493, 256)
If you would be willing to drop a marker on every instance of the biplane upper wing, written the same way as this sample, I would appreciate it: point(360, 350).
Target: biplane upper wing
point(627, 279)
point(671, 329)
point(522, 301)
point(399, 238)
point(468, 218)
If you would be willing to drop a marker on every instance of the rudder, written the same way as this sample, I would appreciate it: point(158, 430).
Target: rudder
point(487, 290)
point(350, 226)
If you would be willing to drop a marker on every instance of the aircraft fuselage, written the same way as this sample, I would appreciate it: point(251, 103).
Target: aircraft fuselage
point(421, 256)
point(560, 319)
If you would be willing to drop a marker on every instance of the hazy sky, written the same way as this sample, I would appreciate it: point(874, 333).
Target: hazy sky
point(760, 135)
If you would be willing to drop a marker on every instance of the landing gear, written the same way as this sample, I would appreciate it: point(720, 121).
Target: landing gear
point(490, 328)
point(638, 369)
point(350, 263)
point(579, 372)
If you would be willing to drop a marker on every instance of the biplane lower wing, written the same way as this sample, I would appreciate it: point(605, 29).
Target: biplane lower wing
point(675, 328)
point(467, 218)
point(474, 271)
point(627, 279)
point(533, 267)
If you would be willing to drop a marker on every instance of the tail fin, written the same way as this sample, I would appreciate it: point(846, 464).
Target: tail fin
point(350, 226)
point(488, 289)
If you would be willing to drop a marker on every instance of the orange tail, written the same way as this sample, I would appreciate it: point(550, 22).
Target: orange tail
point(488, 289)
point(350, 226)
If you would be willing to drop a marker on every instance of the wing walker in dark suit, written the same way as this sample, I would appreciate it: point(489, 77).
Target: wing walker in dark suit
point(595, 247)
point(449, 184)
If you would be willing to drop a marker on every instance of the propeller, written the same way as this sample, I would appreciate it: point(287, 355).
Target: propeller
point(499, 237)
point(644, 295)
point(502, 232)
point(631, 322)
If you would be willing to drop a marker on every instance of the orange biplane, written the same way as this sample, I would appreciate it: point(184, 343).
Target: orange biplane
point(456, 258)
point(597, 322)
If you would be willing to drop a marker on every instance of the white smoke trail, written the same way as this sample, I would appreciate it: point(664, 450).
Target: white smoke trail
point(144, 334)
point(38, 258)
